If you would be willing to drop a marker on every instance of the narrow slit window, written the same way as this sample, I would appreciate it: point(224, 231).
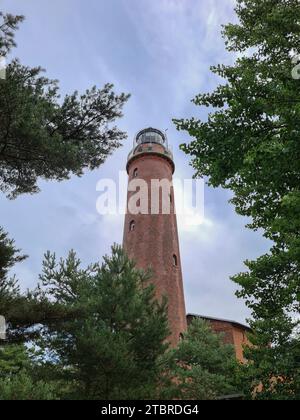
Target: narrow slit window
point(175, 261)
point(132, 226)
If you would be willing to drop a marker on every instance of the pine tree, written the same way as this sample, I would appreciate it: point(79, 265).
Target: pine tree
point(8, 25)
point(99, 329)
point(17, 378)
point(44, 137)
point(9, 256)
point(204, 367)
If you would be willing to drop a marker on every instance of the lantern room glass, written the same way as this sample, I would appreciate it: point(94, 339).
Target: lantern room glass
point(150, 136)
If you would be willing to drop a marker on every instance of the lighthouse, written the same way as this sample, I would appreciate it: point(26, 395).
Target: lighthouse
point(150, 230)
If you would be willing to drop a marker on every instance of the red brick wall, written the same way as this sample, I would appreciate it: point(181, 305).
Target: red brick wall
point(240, 340)
point(234, 334)
point(154, 240)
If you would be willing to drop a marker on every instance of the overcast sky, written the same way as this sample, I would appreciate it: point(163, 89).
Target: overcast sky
point(160, 51)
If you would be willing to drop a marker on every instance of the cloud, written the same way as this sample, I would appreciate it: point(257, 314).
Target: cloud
point(182, 39)
point(160, 51)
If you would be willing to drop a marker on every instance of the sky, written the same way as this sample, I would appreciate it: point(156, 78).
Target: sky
point(160, 51)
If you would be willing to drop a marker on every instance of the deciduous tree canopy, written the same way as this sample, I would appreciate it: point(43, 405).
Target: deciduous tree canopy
point(250, 145)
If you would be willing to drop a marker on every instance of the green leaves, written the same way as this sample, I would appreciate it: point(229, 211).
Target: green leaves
point(9, 256)
point(113, 346)
point(41, 139)
point(99, 333)
point(43, 136)
point(8, 25)
point(100, 330)
point(17, 380)
point(204, 367)
point(250, 145)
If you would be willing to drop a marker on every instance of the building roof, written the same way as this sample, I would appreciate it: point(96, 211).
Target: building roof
point(245, 327)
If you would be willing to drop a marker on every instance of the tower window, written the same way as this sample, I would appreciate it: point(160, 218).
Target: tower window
point(135, 173)
point(175, 261)
point(132, 226)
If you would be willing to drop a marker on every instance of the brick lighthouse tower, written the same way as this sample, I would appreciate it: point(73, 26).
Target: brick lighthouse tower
point(150, 232)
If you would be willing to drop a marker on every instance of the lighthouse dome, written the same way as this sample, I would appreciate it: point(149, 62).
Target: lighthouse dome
point(151, 141)
point(150, 135)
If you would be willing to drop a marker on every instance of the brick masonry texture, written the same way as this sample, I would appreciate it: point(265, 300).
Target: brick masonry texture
point(154, 241)
point(233, 333)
